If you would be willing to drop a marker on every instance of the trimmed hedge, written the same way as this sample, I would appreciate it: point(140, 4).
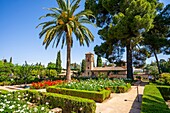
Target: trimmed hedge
point(3, 91)
point(94, 95)
point(152, 101)
point(165, 91)
point(68, 104)
point(120, 89)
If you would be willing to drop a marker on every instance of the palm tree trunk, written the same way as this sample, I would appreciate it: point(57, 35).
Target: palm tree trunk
point(68, 74)
point(129, 60)
point(157, 62)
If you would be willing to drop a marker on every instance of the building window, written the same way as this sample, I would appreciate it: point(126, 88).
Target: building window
point(88, 73)
point(88, 68)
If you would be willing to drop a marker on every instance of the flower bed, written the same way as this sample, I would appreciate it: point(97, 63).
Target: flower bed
point(9, 104)
point(44, 84)
point(97, 85)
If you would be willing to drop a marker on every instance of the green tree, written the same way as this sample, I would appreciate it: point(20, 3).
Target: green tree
point(58, 63)
point(99, 61)
point(51, 65)
point(130, 19)
point(83, 66)
point(156, 40)
point(10, 60)
point(65, 22)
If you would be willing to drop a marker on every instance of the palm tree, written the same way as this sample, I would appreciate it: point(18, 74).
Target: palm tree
point(64, 23)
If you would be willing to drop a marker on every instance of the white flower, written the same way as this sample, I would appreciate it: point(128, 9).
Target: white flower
point(35, 109)
point(24, 106)
point(18, 98)
point(18, 105)
point(46, 103)
point(11, 107)
point(51, 112)
point(8, 102)
point(9, 94)
point(1, 110)
point(42, 108)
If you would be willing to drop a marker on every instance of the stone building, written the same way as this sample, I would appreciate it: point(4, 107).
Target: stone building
point(114, 71)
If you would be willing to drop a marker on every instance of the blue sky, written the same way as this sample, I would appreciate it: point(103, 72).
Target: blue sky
point(20, 39)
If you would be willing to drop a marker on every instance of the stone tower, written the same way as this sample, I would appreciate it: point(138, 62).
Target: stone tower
point(89, 64)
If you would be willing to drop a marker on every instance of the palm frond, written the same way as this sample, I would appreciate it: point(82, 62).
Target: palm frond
point(75, 6)
point(45, 30)
point(85, 13)
point(72, 2)
point(86, 21)
point(62, 4)
point(55, 9)
point(53, 15)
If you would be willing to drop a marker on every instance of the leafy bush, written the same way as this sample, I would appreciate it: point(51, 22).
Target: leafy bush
point(165, 78)
point(165, 91)
point(94, 95)
point(67, 103)
point(152, 101)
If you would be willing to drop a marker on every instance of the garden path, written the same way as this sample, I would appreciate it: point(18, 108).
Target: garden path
point(122, 102)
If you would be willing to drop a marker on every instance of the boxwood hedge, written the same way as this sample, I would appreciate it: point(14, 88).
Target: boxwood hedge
point(98, 96)
point(67, 103)
point(152, 101)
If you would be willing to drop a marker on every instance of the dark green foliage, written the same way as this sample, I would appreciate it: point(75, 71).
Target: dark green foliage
point(67, 103)
point(152, 101)
point(156, 41)
point(98, 96)
point(10, 60)
point(99, 61)
point(165, 91)
point(58, 63)
point(123, 22)
point(164, 65)
point(83, 66)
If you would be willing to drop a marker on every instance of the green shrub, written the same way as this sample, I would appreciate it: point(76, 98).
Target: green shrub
point(165, 78)
point(152, 101)
point(67, 103)
point(120, 89)
point(94, 95)
point(3, 91)
point(165, 91)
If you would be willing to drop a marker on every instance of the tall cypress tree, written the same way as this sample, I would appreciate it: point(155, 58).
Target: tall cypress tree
point(58, 63)
point(99, 61)
point(10, 59)
point(83, 66)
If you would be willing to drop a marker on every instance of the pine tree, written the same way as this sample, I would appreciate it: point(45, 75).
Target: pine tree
point(58, 63)
point(99, 61)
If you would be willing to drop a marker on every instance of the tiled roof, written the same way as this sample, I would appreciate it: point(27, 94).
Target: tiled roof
point(109, 69)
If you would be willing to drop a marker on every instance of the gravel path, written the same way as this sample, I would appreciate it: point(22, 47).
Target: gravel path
point(122, 102)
